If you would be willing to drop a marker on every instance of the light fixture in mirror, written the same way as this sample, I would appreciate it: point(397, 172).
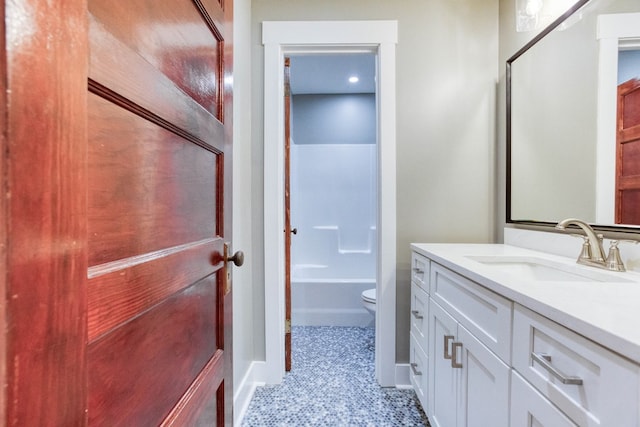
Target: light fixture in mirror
point(562, 115)
point(533, 15)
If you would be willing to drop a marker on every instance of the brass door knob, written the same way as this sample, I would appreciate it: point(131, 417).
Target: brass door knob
point(237, 258)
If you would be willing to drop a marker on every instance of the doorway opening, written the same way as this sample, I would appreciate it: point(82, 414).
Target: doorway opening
point(333, 189)
point(289, 38)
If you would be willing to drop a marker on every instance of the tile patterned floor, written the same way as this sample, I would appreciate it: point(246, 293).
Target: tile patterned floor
point(332, 384)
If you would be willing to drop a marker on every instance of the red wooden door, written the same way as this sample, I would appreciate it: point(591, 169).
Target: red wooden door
point(628, 154)
point(287, 214)
point(120, 311)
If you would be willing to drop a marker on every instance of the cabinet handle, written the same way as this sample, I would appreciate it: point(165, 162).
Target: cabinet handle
point(414, 368)
point(447, 338)
point(454, 355)
point(418, 270)
point(545, 361)
point(417, 314)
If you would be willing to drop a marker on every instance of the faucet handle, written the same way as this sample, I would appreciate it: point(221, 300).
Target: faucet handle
point(585, 253)
point(614, 262)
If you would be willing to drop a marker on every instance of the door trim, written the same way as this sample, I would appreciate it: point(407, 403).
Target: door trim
point(289, 37)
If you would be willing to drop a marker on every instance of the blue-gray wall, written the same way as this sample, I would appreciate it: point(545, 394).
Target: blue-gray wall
point(334, 119)
point(628, 65)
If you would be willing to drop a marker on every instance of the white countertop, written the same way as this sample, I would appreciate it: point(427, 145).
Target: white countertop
point(605, 312)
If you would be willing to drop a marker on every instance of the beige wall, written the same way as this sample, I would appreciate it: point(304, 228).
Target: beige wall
point(243, 339)
point(447, 72)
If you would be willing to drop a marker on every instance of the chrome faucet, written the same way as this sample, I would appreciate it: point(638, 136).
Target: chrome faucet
point(592, 251)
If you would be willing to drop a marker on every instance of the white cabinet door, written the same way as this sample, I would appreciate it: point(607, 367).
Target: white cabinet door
point(442, 377)
point(471, 389)
point(483, 394)
point(529, 408)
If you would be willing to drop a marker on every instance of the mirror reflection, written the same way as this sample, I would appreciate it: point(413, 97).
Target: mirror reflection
point(574, 119)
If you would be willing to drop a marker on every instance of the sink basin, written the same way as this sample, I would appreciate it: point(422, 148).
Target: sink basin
point(545, 270)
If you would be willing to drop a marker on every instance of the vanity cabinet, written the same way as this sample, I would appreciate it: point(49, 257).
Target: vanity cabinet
point(488, 360)
point(468, 381)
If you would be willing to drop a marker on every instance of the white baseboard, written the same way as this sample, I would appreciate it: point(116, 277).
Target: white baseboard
point(402, 376)
point(244, 391)
point(332, 317)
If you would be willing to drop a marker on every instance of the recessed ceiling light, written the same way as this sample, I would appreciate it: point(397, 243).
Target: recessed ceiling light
point(354, 79)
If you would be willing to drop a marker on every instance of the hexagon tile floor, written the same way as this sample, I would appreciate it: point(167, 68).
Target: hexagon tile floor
point(332, 384)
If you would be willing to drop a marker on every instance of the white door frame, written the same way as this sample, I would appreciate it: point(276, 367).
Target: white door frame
point(294, 37)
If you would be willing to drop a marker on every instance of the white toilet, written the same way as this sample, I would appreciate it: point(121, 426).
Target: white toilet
point(369, 300)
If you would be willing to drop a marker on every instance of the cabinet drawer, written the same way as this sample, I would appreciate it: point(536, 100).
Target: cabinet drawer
point(484, 313)
point(419, 315)
point(609, 393)
point(529, 408)
point(418, 370)
point(420, 270)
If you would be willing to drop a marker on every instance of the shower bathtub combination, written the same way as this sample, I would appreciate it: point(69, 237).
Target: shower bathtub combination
point(334, 253)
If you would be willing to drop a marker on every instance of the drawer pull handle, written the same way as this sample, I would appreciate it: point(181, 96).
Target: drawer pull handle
point(447, 338)
point(414, 368)
point(545, 361)
point(418, 270)
point(417, 314)
point(454, 356)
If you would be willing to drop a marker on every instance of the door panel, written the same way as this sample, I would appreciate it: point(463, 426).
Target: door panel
point(172, 38)
point(157, 173)
point(124, 78)
point(164, 184)
point(117, 291)
point(153, 358)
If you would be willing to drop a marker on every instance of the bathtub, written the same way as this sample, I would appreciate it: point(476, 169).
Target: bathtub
point(318, 301)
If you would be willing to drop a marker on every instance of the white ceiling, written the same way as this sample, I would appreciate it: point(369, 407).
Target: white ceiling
point(329, 73)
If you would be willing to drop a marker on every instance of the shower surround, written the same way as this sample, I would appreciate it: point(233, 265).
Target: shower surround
point(333, 205)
